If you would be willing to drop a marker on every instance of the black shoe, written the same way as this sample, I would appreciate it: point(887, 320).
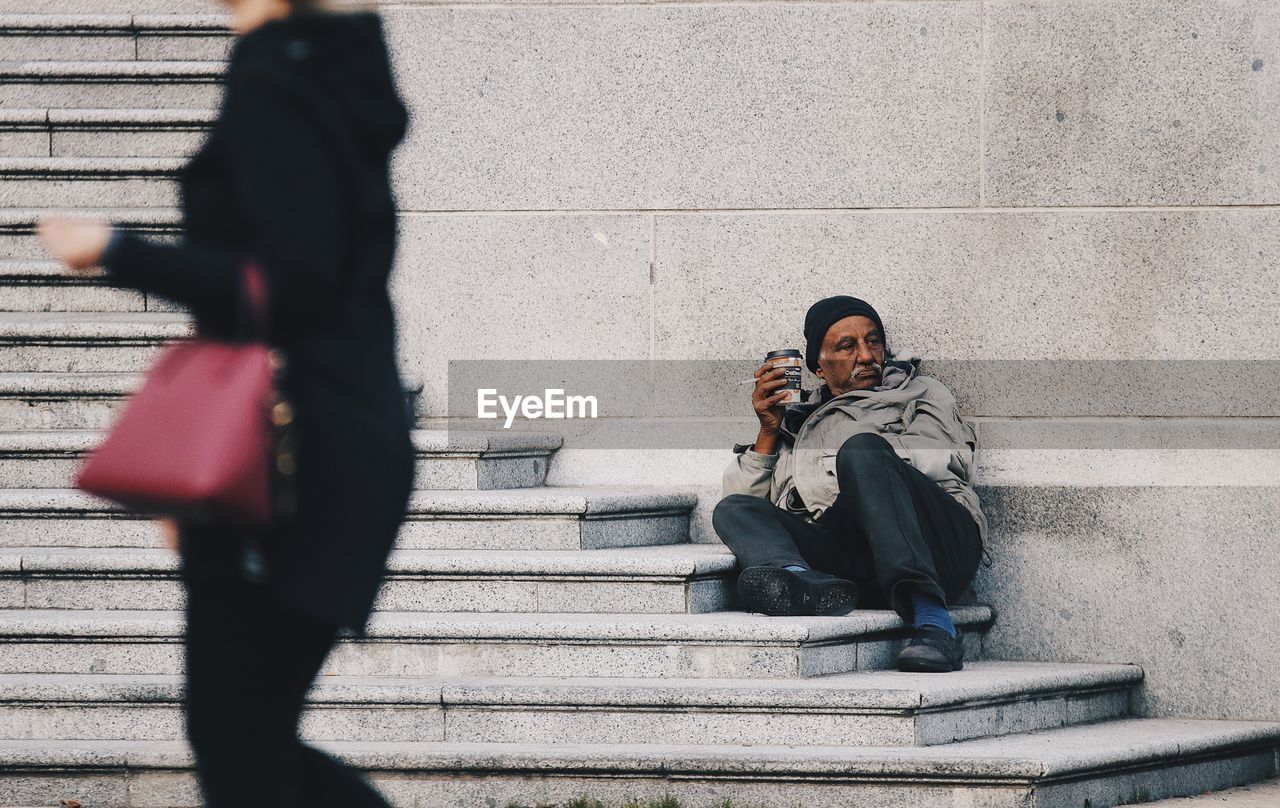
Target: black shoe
point(932, 650)
point(780, 592)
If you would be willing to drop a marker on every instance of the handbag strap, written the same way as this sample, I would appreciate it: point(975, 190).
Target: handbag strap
point(253, 301)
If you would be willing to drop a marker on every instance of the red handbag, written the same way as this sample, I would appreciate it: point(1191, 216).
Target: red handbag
point(198, 438)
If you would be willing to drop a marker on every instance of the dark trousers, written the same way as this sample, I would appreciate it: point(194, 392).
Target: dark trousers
point(891, 530)
point(249, 666)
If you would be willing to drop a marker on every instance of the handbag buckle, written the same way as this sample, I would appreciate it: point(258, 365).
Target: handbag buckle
point(276, 360)
point(282, 414)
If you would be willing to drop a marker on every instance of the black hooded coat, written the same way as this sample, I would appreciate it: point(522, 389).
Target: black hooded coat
point(294, 175)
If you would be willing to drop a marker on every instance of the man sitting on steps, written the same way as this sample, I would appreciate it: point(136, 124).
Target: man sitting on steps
point(861, 495)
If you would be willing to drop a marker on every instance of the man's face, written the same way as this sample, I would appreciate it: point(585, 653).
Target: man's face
point(852, 356)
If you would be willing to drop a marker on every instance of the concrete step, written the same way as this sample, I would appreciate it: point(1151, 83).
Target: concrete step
point(79, 342)
point(91, 401)
point(875, 708)
point(108, 6)
point(542, 518)
point(72, 182)
point(43, 285)
point(17, 227)
point(49, 458)
point(63, 400)
point(102, 132)
point(458, 460)
point(636, 580)
point(115, 37)
point(136, 84)
point(1098, 766)
point(714, 645)
point(46, 286)
point(1259, 795)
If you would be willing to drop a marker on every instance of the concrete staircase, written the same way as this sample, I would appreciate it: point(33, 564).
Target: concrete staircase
point(533, 643)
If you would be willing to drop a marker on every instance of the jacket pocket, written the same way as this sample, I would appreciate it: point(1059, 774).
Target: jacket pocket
point(885, 419)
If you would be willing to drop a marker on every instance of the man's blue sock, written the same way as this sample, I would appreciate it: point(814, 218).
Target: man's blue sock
point(929, 611)
point(795, 567)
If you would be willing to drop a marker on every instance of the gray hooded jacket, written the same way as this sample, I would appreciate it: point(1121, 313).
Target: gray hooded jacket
point(916, 414)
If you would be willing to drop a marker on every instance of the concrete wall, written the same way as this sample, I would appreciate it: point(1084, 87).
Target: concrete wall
point(1008, 179)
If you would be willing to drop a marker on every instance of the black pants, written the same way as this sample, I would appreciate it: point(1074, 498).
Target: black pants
point(249, 666)
point(891, 530)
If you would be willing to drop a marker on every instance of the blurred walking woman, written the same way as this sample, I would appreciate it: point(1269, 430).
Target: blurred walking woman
point(293, 176)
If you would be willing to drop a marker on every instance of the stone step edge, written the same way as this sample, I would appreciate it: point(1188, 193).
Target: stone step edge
point(76, 443)
point(22, 221)
point(675, 563)
point(43, 321)
point(57, 383)
point(116, 72)
point(1261, 794)
point(39, 272)
point(94, 329)
point(61, 24)
point(724, 629)
point(993, 761)
point(853, 693)
point(585, 501)
point(91, 168)
point(94, 119)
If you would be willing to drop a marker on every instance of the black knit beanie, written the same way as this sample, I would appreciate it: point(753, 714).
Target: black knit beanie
point(824, 314)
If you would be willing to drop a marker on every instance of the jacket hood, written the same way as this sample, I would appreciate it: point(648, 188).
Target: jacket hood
point(342, 57)
point(899, 371)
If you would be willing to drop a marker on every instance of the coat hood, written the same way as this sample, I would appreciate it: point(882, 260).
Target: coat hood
point(342, 60)
point(899, 371)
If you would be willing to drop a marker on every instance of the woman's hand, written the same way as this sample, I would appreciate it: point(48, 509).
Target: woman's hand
point(169, 528)
point(78, 243)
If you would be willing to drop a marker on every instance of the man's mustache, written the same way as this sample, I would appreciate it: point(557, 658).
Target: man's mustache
point(876, 366)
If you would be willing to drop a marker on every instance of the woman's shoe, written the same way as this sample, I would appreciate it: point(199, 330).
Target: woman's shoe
point(932, 650)
point(781, 592)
